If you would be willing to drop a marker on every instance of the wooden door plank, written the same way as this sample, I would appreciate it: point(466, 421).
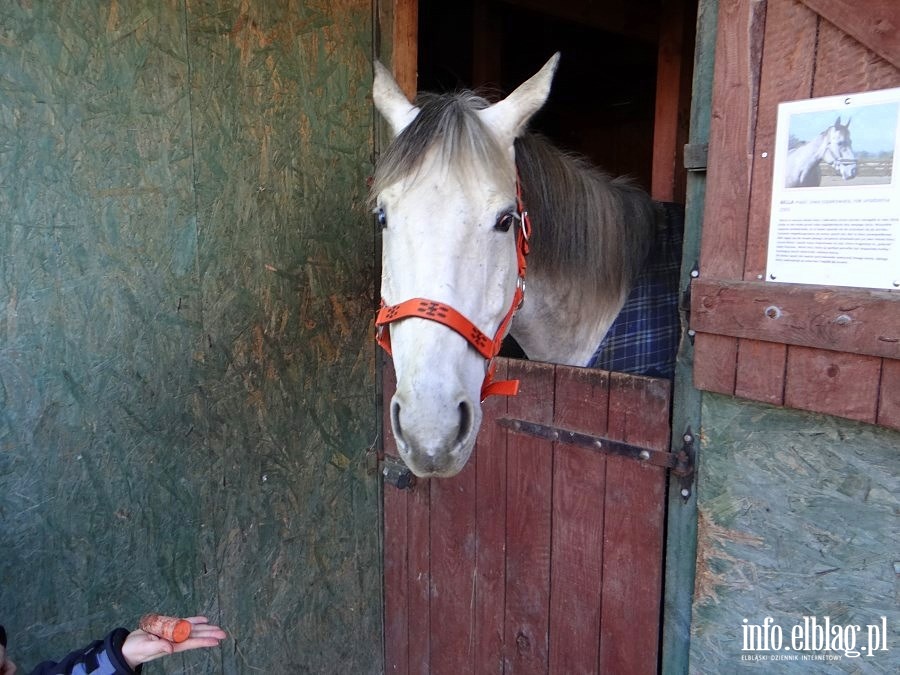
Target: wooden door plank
point(633, 528)
point(889, 396)
point(832, 382)
point(875, 25)
point(419, 580)
point(453, 519)
point(528, 519)
point(490, 573)
point(579, 476)
point(396, 547)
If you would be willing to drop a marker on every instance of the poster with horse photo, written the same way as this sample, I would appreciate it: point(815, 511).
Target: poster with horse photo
point(835, 218)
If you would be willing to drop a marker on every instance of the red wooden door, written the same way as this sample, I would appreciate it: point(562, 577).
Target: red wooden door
point(539, 557)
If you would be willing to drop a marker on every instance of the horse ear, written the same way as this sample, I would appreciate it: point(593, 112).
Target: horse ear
point(390, 100)
point(509, 116)
point(837, 122)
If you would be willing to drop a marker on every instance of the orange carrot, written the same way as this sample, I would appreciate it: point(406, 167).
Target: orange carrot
point(168, 628)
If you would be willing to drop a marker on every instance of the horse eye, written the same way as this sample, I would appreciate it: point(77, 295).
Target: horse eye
point(504, 222)
point(381, 218)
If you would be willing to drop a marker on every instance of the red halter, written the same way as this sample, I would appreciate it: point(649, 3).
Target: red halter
point(445, 314)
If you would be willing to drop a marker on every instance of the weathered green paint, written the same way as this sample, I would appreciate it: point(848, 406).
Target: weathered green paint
point(798, 518)
point(681, 526)
point(186, 372)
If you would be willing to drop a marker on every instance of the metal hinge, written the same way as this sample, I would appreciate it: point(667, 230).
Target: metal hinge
point(686, 461)
point(695, 156)
point(681, 463)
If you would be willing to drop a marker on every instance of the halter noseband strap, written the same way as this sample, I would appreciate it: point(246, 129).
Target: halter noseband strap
point(432, 310)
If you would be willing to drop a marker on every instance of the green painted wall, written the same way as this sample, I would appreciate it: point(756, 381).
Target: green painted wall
point(186, 292)
point(798, 517)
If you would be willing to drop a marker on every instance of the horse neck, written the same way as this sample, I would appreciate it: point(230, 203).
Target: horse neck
point(820, 145)
point(590, 237)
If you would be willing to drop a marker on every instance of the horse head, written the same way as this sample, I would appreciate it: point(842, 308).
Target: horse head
point(840, 149)
point(445, 198)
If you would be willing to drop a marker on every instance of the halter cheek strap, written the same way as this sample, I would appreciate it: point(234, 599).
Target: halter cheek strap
point(423, 308)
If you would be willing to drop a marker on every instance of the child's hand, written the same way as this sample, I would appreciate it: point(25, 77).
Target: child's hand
point(7, 667)
point(141, 647)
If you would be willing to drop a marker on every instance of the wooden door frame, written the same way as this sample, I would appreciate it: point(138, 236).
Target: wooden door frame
point(397, 29)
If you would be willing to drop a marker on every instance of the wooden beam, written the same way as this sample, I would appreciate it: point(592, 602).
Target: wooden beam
point(622, 17)
point(857, 321)
point(875, 24)
point(670, 55)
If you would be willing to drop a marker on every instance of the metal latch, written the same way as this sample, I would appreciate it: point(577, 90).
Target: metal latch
point(396, 473)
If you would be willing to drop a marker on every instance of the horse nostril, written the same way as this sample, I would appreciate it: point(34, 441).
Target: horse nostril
point(395, 420)
point(465, 421)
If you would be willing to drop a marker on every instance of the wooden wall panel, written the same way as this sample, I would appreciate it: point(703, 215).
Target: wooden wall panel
point(715, 357)
point(760, 372)
point(889, 395)
point(787, 75)
point(731, 145)
point(804, 56)
point(876, 27)
point(731, 140)
point(833, 382)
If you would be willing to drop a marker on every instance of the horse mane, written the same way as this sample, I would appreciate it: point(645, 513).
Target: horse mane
point(593, 229)
point(587, 225)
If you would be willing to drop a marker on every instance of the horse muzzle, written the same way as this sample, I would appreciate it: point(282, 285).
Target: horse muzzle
point(435, 439)
point(845, 167)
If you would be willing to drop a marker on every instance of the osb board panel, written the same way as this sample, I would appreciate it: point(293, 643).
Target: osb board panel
point(185, 371)
point(282, 135)
point(797, 518)
point(100, 461)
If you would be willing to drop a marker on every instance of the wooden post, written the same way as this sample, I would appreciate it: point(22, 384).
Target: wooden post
point(672, 91)
point(405, 51)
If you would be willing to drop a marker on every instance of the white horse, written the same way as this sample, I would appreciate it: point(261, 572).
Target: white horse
point(448, 196)
point(832, 146)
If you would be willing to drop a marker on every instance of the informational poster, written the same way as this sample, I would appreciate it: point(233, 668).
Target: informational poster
point(836, 192)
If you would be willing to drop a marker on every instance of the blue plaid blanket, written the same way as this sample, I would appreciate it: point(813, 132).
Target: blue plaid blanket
point(644, 337)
